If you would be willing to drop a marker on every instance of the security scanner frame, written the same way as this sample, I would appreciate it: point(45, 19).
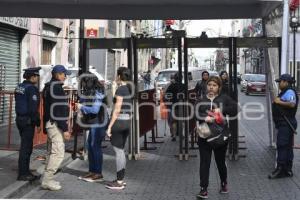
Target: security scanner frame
point(182, 44)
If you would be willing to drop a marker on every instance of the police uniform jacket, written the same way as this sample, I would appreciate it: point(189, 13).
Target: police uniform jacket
point(27, 102)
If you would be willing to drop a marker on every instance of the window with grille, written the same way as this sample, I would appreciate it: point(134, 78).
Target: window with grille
point(47, 51)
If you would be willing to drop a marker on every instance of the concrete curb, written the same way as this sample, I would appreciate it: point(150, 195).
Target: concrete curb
point(20, 188)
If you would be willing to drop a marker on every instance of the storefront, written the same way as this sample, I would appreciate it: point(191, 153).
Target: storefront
point(12, 30)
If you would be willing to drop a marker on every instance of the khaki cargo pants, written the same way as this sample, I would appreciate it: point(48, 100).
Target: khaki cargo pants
point(55, 151)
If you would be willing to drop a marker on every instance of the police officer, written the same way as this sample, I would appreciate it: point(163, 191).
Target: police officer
point(56, 113)
point(284, 111)
point(27, 106)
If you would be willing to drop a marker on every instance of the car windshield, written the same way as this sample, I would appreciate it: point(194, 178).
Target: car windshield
point(165, 76)
point(257, 78)
point(213, 73)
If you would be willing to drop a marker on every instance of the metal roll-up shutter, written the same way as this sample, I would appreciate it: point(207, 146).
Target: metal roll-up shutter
point(10, 59)
point(111, 67)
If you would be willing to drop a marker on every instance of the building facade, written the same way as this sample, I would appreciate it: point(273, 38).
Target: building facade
point(274, 29)
point(28, 42)
point(106, 61)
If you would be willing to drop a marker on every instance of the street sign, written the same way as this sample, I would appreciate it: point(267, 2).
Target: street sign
point(91, 33)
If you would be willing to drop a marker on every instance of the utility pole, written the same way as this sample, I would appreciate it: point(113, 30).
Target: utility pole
point(285, 38)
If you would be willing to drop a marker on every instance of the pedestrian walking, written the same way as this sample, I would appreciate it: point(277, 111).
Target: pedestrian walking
point(201, 85)
point(284, 111)
point(27, 118)
point(225, 82)
point(93, 107)
point(220, 105)
point(171, 95)
point(147, 80)
point(120, 123)
point(56, 113)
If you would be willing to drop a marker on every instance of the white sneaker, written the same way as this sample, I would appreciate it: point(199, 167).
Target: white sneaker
point(51, 185)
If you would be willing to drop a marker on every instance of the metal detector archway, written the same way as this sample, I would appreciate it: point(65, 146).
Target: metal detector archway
point(183, 44)
point(232, 44)
point(115, 43)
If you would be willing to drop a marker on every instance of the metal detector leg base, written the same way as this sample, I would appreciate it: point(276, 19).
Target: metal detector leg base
point(148, 148)
point(230, 157)
point(180, 156)
point(156, 142)
point(236, 157)
point(187, 156)
point(137, 156)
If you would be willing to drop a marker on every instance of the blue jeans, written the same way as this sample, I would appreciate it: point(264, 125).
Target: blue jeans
point(95, 154)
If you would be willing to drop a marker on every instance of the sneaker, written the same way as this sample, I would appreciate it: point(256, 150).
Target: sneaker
point(173, 139)
point(95, 178)
point(224, 188)
point(124, 183)
point(51, 185)
point(86, 176)
point(203, 193)
point(115, 185)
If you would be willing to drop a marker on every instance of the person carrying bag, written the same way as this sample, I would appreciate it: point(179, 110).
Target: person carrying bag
point(210, 112)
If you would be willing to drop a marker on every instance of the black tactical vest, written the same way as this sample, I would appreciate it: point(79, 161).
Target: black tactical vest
point(280, 111)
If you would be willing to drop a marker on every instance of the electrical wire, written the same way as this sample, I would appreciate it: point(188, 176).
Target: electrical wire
point(79, 38)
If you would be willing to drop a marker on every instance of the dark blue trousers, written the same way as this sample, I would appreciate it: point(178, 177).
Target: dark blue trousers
point(95, 154)
point(285, 137)
point(26, 133)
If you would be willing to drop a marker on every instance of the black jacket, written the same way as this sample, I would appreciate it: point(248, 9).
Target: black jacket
point(225, 87)
point(227, 105)
point(201, 88)
point(60, 111)
point(172, 93)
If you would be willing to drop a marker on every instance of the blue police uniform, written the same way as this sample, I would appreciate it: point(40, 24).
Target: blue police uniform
point(285, 134)
point(27, 117)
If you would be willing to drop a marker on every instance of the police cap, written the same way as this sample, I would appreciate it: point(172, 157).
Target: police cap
point(31, 71)
point(285, 77)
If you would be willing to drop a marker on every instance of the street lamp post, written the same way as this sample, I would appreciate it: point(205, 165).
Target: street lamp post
point(295, 26)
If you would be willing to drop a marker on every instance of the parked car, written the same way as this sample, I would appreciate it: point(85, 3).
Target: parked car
point(256, 84)
point(164, 76)
point(244, 81)
point(213, 73)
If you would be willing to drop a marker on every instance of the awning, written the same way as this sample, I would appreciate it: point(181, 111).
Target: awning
point(139, 9)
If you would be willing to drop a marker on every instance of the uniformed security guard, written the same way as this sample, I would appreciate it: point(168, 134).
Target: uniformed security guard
point(284, 112)
point(26, 107)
